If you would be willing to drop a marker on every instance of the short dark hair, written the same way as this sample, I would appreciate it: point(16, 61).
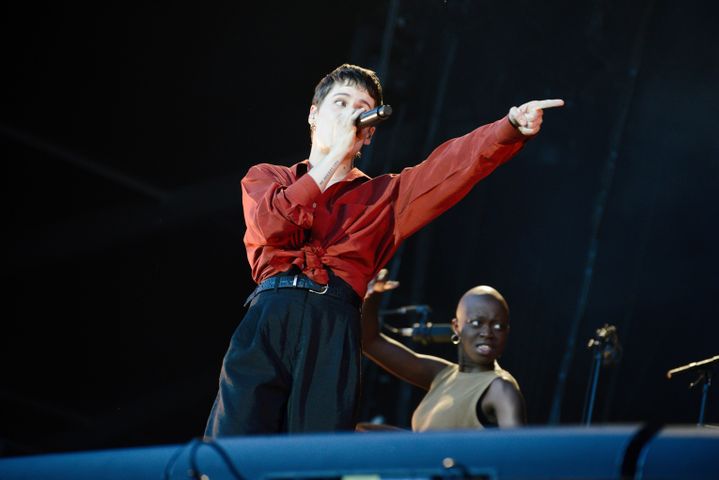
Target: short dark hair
point(347, 74)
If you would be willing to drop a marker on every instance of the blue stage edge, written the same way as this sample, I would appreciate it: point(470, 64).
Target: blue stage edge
point(621, 452)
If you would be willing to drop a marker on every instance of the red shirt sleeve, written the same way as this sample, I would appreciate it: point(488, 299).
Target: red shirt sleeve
point(449, 173)
point(277, 206)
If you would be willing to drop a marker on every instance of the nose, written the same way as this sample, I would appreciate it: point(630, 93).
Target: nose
point(486, 331)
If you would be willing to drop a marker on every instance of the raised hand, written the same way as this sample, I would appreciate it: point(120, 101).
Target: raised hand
point(337, 132)
point(334, 143)
point(527, 118)
point(380, 284)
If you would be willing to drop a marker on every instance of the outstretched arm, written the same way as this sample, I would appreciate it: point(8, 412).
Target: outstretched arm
point(427, 190)
point(391, 355)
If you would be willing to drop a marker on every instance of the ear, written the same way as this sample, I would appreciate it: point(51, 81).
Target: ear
point(455, 326)
point(369, 132)
point(311, 116)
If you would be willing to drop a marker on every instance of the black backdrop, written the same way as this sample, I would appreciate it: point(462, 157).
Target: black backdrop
point(125, 130)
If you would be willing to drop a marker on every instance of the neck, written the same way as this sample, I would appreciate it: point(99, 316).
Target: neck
point(466, 365)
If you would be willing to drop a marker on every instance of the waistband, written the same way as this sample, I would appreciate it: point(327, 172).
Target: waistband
point(336, 288)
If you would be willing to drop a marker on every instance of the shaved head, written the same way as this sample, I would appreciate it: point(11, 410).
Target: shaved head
point(479, 293)
point(482, 327)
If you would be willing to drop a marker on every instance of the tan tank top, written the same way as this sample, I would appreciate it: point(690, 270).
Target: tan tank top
point(451, 402)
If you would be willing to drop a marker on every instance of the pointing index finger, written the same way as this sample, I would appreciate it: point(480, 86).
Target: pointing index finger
point(542, 104)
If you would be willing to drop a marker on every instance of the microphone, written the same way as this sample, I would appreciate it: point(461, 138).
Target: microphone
point(607, 333)
point(424, 309)
point(606, 344)
point(374, 116)
point(429, 332)
point(701, 365)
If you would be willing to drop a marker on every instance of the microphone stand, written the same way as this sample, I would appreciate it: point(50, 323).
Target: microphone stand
point(605, 345)
point(705, 376)
point(704, 369)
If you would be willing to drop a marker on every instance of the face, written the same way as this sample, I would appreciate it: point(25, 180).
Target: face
point(341, 97)
point(482, 324)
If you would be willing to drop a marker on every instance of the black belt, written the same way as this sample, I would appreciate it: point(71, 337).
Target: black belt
point(337, 288)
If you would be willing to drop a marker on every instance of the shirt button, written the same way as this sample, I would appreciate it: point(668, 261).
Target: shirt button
point(314, 205)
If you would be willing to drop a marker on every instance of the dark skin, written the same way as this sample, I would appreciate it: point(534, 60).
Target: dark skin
point(482, 324)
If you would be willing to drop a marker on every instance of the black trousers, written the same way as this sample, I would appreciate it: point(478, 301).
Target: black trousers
point(293, 365)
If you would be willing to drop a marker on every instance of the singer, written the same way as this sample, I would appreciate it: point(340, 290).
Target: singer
point(317, 233)
point(473, 393)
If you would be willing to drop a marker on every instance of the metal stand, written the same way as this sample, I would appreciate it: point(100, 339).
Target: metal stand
point(605, 345)
point(704, 368)
point(705, 377)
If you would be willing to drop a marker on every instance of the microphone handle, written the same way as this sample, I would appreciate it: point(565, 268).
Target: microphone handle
point(374, 116)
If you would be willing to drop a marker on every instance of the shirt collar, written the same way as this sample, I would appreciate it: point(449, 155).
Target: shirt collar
point(303, 167)
point(354, 174)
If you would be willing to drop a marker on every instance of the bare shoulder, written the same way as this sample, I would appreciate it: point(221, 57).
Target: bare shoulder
point(506, 379)
point(505, 400)
point(503, 385)
point(504, 389)
point(436, 365)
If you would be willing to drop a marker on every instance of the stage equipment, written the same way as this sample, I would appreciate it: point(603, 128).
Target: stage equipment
point(374, 116)
point(607, 351)
point(704, 370)
point(424, 331)
point(422, 309)
point(428, 332)
point(608, 452)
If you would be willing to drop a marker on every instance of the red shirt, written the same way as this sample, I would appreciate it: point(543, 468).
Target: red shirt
point(355, 226)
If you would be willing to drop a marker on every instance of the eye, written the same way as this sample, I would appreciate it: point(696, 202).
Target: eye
point(340, 102)
point(498, 327)
point(474, 323)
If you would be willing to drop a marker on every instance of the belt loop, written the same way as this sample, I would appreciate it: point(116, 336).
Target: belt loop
point(277, 284)
point(294, 281)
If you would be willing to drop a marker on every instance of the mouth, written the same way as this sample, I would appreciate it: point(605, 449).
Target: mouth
point(484, 348)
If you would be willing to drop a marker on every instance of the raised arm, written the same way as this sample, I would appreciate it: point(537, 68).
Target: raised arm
point(386, 352)
point(275, 206)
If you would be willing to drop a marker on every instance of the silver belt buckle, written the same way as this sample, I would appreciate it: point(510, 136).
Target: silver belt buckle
point(322, 291)
point(294, 281)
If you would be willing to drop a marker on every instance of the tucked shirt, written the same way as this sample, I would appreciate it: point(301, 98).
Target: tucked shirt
point(355, 226)
point(451, 402)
